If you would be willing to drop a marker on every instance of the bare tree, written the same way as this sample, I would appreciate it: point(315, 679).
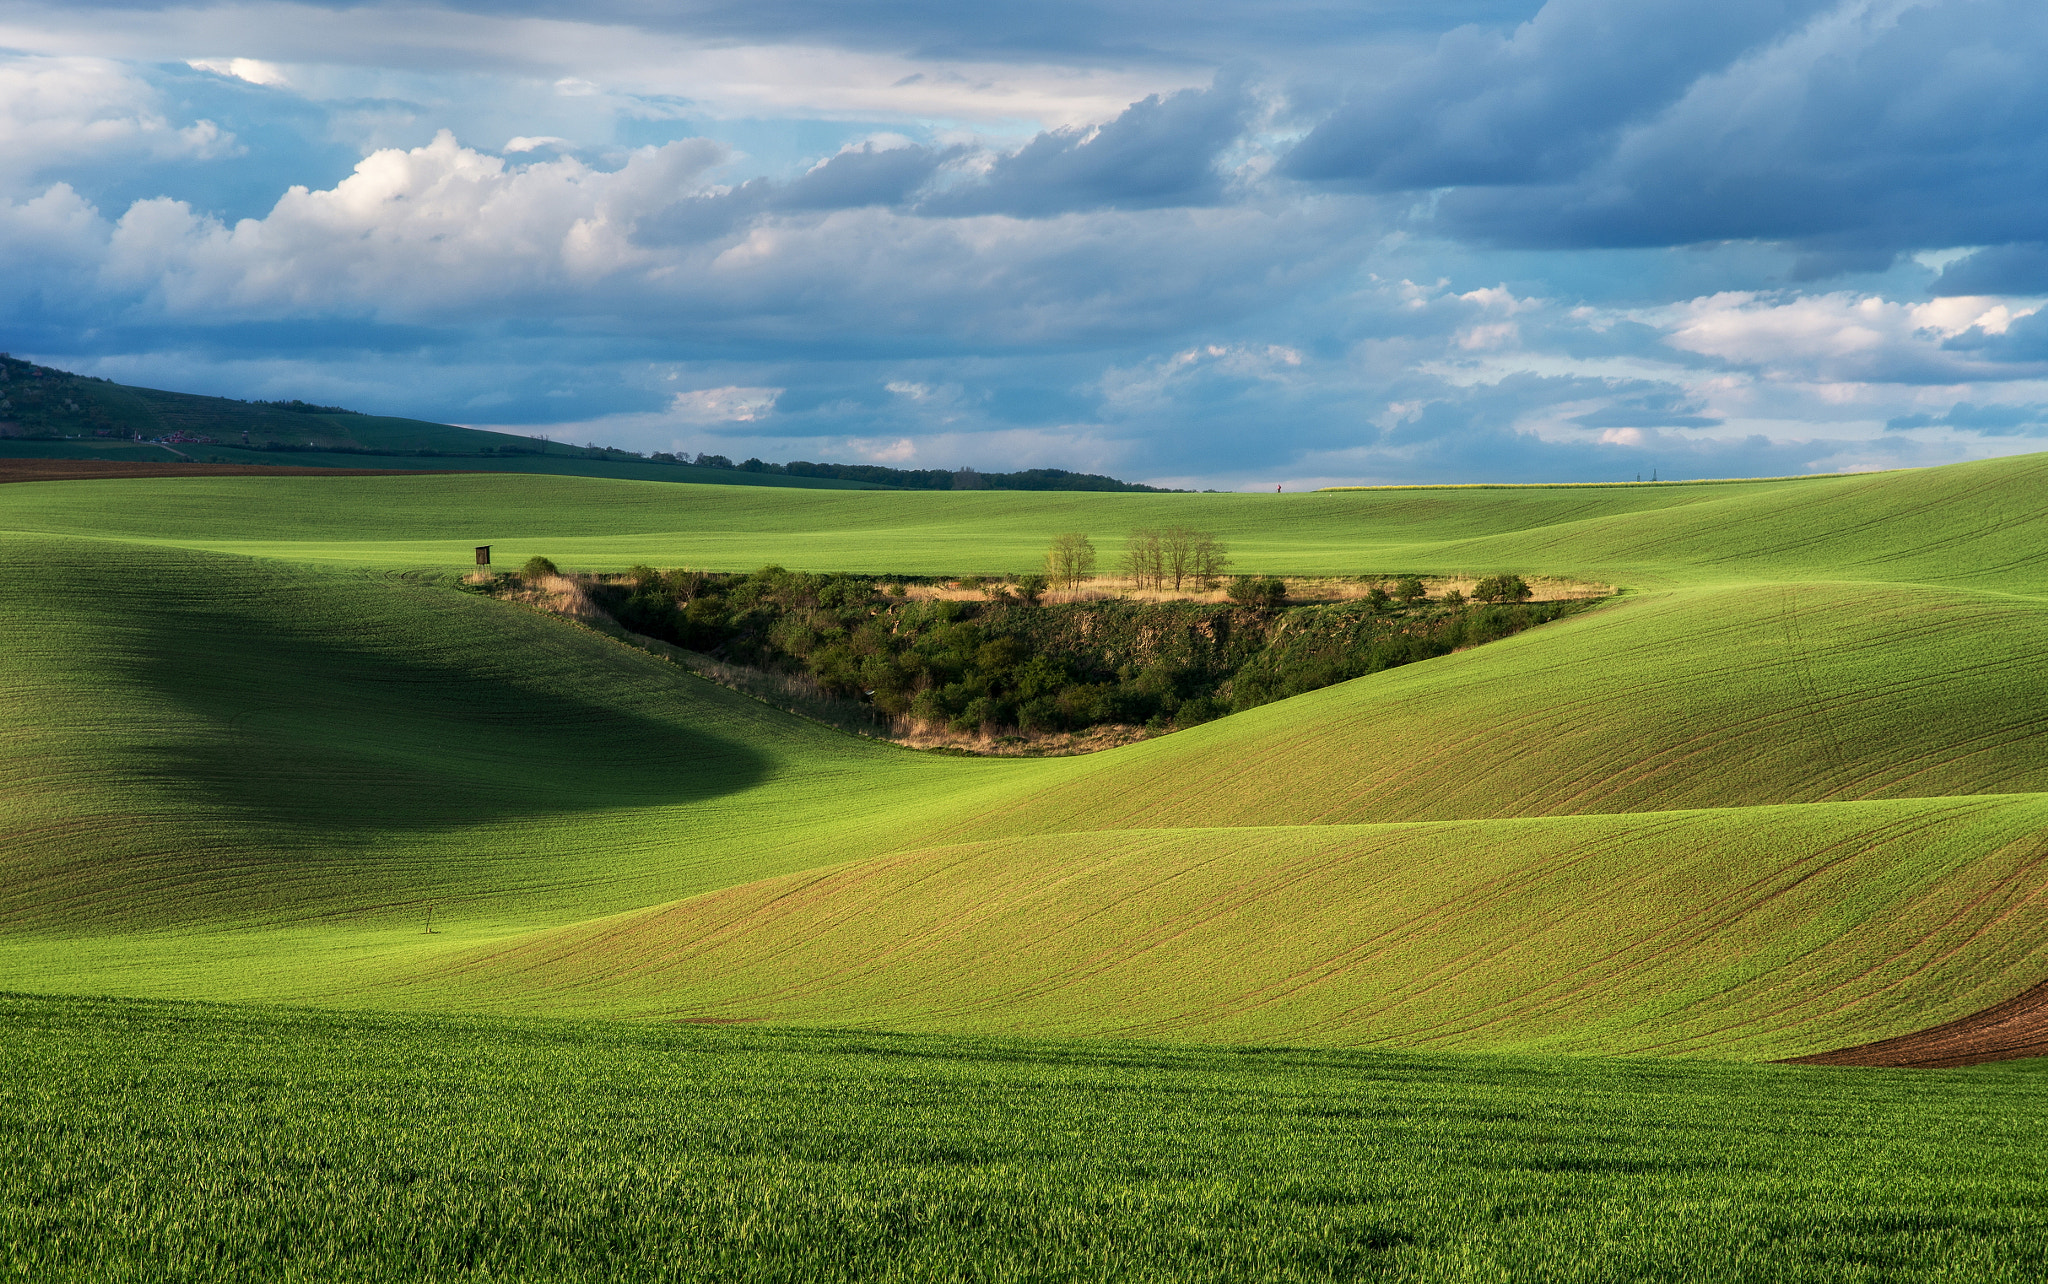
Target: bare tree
point(1186, 554)
point(1145, 558)
point(1070, 562)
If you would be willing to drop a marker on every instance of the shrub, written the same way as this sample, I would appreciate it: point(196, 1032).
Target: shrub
point(843, 592)
point(981, 666)
point(537, 568)
point(981, 713)
point(1031, 588)
point(1258, 593)
point(1410, 591)
point(1501, 588)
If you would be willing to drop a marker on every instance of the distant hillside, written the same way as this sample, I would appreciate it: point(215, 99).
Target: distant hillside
point(46, 413)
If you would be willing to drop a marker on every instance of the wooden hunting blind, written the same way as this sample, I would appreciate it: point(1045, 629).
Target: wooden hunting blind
point(483, 555)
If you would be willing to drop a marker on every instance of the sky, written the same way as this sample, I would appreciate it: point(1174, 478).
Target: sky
point(1300, 242)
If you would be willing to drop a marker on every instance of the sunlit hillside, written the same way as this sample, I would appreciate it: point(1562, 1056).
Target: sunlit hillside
point(1784, 794)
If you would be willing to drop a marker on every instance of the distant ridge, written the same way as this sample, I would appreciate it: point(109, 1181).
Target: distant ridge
point(27, 470)
point(47, 413)
point(931, 478)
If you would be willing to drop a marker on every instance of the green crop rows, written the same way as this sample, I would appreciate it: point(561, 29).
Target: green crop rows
point(151, 1141)
point(1784, 793)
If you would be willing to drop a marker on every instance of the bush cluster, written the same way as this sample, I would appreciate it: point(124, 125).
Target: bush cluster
point(1011, 664)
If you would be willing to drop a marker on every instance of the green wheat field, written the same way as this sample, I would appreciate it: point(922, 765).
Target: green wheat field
point(1474, 969)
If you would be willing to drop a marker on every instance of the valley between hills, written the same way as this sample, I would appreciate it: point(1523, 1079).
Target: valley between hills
point(1783, 796)
point(467, 940)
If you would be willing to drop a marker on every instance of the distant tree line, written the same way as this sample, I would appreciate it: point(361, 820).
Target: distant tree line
point(297, 407)
point(919, 478)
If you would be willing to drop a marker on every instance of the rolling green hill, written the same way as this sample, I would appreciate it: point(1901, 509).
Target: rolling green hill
point(1967, 524)
point(1786, 795)
point(430, 522)
point(1757, 932)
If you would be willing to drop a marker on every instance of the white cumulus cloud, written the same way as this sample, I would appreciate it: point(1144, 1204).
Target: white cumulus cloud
point(253, 70)
point(1843, 337)
point(77, 112)
point(724, 405)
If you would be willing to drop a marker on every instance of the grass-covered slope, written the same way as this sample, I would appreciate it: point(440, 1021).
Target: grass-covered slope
point(146, 1141)
point(1980, 524)
point(191, 740)
point(1698, 698)
point(1976, 524)
point(417, 522)
point(1782, 797)
point(1757, 932)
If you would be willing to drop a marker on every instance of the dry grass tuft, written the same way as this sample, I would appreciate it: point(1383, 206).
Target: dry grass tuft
point(567, 595)
point(916, 733)
point(1300, 589)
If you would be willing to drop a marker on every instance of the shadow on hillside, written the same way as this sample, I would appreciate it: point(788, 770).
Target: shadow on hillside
point(284, 726)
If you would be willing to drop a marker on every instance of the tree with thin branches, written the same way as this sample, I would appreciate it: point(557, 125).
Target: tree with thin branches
point(1070, 562)
point(1191, 555)
point(1144, 558)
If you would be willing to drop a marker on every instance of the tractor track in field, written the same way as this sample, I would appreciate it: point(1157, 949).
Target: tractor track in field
point(2004, 1031)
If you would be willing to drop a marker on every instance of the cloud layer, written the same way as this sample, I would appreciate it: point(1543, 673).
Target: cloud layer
point(1399, 242)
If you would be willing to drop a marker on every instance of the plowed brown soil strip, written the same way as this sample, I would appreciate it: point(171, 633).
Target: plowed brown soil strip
point(20, 470)
point(2007, 1031)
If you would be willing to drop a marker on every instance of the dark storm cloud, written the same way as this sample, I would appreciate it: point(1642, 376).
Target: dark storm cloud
point(1067, 29)
point(864, 176)
point(1160, 152)
point(2023, 345)
point(1488, 108)
point(1653, 410)
point(855, 179)
point(2001, 269)
point(1985, 421)
point(1610, 123)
